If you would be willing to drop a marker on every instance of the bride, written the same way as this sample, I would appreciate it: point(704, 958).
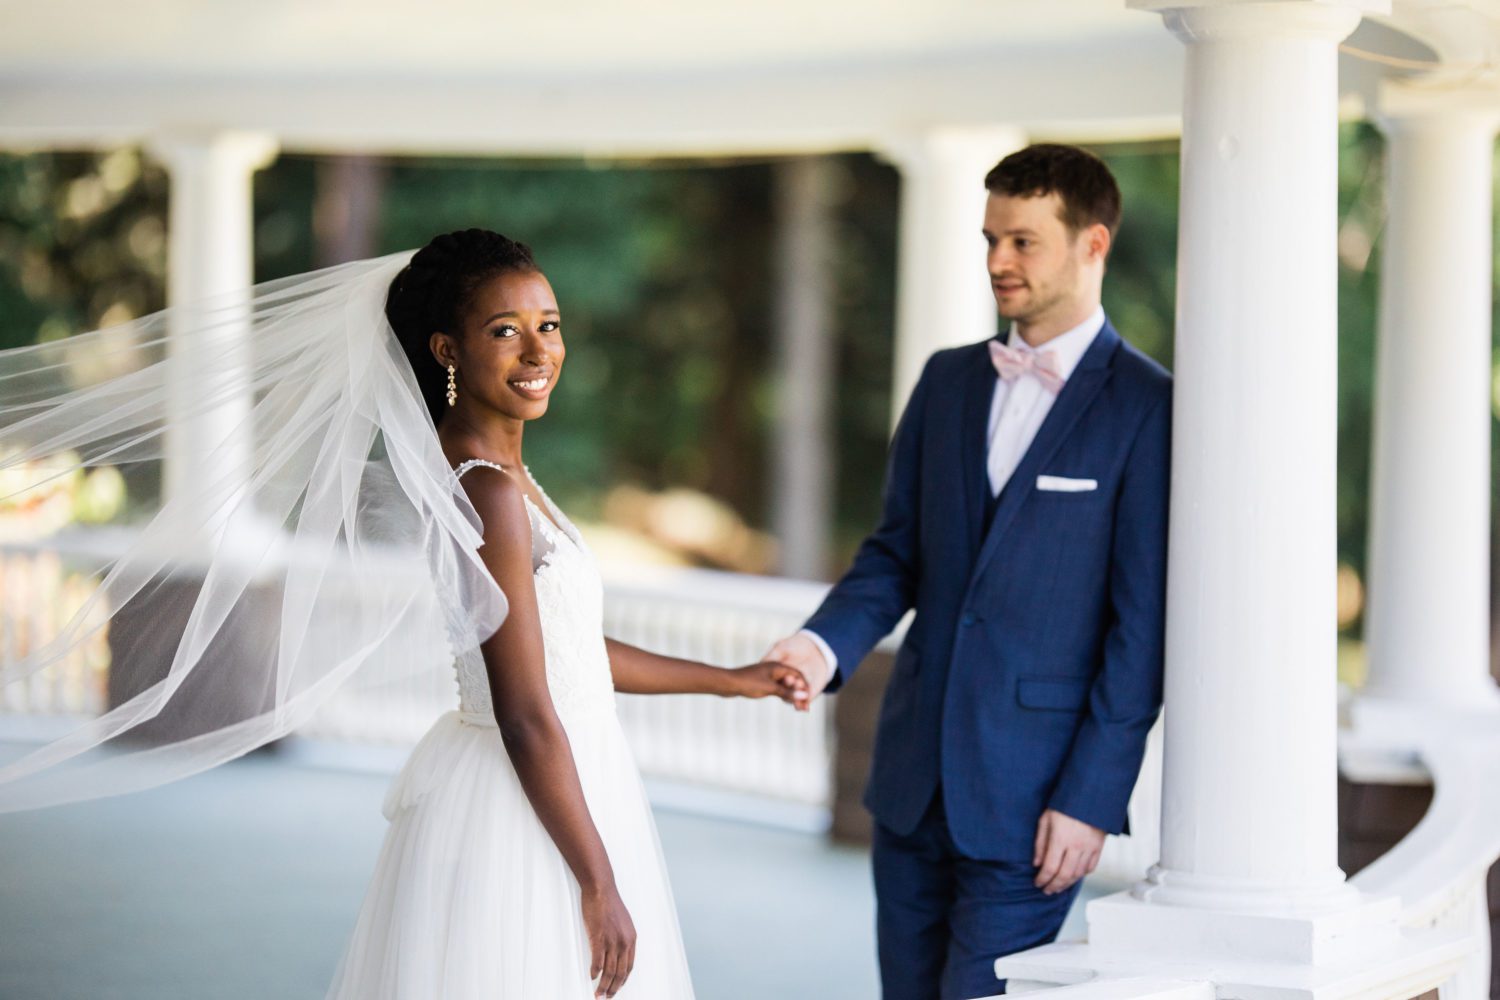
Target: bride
point(319, 532)
point(521, 859)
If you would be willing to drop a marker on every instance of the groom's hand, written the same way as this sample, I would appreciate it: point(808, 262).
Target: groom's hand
point(1066, 850)
point(802, 654)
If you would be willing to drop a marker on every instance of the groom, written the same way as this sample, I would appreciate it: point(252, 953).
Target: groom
point(1025, 519)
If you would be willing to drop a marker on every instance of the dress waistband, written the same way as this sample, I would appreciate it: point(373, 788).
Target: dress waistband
point(568, 715)
point(477, 719)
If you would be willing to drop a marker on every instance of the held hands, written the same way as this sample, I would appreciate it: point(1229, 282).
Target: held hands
point(611, 940)
point(803, 655)
point(765, 679)
point(1066, 850)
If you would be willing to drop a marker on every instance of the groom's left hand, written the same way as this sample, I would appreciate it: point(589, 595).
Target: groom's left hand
point(1066, 850)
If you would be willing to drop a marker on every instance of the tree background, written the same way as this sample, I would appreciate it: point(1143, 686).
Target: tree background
point(665, 275)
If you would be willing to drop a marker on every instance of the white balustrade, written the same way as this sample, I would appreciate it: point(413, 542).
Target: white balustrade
point(40, 591)
point(1438, 871)
point(760, 749)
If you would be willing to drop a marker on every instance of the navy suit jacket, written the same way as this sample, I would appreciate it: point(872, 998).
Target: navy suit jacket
point(1032, 670)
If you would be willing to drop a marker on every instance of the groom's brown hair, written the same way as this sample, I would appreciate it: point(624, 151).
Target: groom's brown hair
point(1080, 179)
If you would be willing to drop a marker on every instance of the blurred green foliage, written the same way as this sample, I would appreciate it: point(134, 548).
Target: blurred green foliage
point(82, 242)
point(1141, 283)
point(665, 276)
point(1361, 217)
point(83, 245)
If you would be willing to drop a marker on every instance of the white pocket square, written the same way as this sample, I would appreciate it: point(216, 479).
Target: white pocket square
point(1062, 484)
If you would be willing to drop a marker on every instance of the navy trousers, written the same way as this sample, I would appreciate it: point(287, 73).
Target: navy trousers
point(942, 918)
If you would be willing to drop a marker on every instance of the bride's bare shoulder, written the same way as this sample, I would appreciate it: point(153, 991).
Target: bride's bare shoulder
point(500, 503)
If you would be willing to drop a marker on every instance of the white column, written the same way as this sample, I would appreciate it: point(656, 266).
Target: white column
point(1247, 895)
point(1427, 626)
point(802, 500)
point(1249, 808)
point(1249, 869)
point(210, 253)
point(943, 295)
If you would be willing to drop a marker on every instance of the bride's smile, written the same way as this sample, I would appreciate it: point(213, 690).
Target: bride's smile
point(509, 351)
point(535, 387)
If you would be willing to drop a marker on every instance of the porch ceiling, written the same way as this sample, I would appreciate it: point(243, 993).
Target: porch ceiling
point(590, 77)
point(361, 39)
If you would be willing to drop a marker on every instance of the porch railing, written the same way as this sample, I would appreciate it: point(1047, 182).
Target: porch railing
point(1439, 870)
point(760, 751)
point(760, 748)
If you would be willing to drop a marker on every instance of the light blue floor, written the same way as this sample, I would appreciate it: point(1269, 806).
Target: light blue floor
point(243, 883)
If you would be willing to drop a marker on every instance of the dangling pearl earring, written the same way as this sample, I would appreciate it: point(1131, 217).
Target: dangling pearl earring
point(452, 386)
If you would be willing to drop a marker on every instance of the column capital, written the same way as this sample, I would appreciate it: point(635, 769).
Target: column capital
point(961, 146)
point(1219, 20)
point(1429, 102)
point(246, 150)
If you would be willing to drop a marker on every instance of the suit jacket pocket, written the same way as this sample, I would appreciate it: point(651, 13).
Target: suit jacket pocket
point(1054, 694)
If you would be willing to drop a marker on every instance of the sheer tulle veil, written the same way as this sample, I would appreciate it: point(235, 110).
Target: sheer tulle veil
point(310, 530)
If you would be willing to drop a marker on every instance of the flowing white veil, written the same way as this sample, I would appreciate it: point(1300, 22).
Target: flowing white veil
point(311, 528)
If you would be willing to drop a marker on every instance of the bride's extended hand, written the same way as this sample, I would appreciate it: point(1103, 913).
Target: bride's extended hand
point(768, 679)
point(611, 940)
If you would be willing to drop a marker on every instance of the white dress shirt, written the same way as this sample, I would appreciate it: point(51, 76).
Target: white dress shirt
point(1017, 410)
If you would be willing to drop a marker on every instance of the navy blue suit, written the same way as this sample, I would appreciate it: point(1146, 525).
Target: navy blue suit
point(1032, 670)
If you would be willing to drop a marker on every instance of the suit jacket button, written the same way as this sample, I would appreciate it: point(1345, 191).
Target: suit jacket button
point(968, 620)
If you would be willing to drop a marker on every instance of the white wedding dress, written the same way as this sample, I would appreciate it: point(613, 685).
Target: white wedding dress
point(470, 898)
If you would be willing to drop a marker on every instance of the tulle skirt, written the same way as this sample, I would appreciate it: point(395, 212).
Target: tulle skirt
point(470, 897)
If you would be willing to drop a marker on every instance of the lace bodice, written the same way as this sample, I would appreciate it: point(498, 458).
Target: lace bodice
point(570, 600)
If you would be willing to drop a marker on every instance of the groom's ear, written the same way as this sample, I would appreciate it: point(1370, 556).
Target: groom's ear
point(1097, 241)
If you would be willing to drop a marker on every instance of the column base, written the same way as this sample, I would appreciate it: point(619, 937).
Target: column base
point(1422, 963)
point(1127, 925)
point(1304, 897)
point(1355, 952)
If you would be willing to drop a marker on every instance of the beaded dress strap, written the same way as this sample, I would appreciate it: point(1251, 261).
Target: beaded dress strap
point(470, 463)
point(548, 520)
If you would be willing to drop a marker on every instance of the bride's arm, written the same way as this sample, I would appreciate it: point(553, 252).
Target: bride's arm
point(533, 736)
point(636, 671)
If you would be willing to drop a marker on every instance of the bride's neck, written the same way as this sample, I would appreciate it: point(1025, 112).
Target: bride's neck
point(493, 437)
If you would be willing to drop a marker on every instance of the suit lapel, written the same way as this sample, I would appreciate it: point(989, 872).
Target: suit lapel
point(978, 395)
point(1077, 393)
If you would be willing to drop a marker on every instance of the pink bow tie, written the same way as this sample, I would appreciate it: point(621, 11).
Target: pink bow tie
point(1012, 363)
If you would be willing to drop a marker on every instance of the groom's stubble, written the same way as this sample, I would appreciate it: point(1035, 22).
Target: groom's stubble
point(1046, 277)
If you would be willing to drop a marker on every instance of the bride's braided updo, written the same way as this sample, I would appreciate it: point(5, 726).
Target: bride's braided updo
point(432, 292)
